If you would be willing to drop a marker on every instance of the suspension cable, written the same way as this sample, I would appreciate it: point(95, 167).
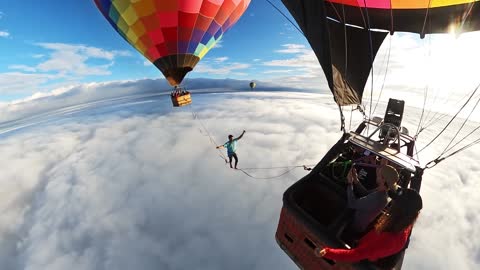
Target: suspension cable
point(280, 167)
point(425, 95)
point(461, 127)
point(371, 56)
point(269, 177)
point(385, 75)
point(422, 34)
point(466, 14)
point(436, 119)
point(451, 120)
point(286, 17)
point(434, 162)
point(464, 137)
point(351, 116)
point(220, 152)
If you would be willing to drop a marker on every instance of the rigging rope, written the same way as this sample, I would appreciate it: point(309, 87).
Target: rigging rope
point(436, 118)
point(385, 75)
point(451, 120)
point(461, 127)
point(422, 34)
point(272, 177)
point(281, 167)
point(294, 25)
point(457, 143)
point(465, 15)
point(290, 168)
point(425, 95)
point(371, 57)
point(434, 162)
point(220, 152)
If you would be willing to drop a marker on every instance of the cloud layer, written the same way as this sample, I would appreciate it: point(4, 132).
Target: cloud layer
point(135, 184)
point(64, 63)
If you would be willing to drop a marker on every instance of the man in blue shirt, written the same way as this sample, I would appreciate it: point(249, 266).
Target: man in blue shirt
point(231, 146)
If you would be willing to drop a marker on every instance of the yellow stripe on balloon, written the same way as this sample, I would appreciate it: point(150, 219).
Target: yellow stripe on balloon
point(421, 4)
point(130, 16)
point(140, 47)
point(122, 25)
point(199, 48)
point(203, 53)
point(131, 36)
point(120, 5)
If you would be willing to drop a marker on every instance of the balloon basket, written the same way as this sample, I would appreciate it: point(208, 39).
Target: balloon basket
point(183, 100)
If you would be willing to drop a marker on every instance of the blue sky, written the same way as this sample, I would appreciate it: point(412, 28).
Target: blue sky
point(47, 46)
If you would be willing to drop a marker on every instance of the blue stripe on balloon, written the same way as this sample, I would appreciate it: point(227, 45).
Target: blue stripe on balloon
point(104, 5)
point(192, 46)
point(113, 14)
point(218, 34)
point(206, 38)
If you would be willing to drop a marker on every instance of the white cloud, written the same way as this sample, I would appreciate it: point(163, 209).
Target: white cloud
point(72, 60)
point(17, 82)
point(4, 34)
point(278, 71)
point(87, 51)
point(121, 53)
point(220, 59)
point(22, 67)
point(223, 69)
point(293, 48)
point(218, 45)
point(69, 62)
point(305, 71)
point(132, 184)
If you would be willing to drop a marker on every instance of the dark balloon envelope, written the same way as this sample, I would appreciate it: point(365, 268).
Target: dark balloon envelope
point(172, 34)
point(346, 34)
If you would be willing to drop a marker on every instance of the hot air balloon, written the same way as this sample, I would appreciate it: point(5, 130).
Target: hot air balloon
point(172, 34)
point(345, 36)
point(252, 85)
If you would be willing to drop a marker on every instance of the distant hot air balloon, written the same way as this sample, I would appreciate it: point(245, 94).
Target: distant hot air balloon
point(252, 85)
point(173, 34)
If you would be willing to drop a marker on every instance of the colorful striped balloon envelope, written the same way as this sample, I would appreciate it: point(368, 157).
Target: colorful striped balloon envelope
point(172, 34)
